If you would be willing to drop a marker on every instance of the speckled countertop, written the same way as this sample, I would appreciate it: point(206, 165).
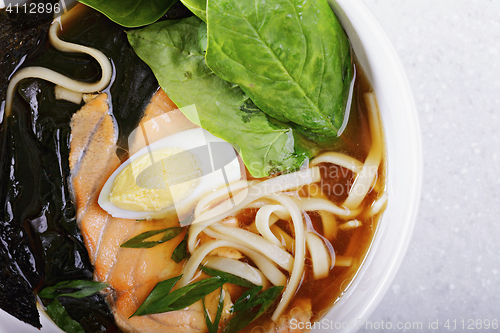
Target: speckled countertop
point(451, 53)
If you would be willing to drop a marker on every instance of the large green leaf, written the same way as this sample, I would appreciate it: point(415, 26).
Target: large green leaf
point(291, 57)
point(172, 50)
point(131, 13)
point(198, 7)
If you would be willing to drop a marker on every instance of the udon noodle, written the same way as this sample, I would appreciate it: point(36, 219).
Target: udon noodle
point(66, 88)
point(279, 198)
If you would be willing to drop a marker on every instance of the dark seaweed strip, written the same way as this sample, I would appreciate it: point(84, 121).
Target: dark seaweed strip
point(16, 296)
point(40, 243)
point(20, 35)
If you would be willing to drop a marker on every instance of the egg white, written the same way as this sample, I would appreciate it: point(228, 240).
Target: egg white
point(186, 140)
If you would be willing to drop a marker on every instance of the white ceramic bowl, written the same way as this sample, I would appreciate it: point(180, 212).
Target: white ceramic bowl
point(404, 161)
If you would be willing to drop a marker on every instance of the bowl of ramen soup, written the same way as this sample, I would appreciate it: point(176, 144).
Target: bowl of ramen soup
point(203, 166)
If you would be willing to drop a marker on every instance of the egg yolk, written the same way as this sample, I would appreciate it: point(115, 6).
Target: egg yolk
point(156, 180)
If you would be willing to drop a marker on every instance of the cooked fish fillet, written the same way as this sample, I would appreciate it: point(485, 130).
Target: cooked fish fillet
point(132, 273)
point(160, 119)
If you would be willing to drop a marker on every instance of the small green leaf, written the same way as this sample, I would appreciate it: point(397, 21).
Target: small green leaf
point(231, 278)
point(74, 288)
point(180, 252)
point(267, 298)
point(131, 13)
point(239, 321)
point(62, 319)
point(193, 294)
point(157, 294)
point(255, 306)
point(214, 327)
point(242, 303)
point(162, 300)
point(139, 241)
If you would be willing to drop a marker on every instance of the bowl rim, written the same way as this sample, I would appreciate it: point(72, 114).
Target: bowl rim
point(404, 168)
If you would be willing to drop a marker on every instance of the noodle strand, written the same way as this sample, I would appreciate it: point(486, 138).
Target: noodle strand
point(281, 183)
point(265, 265)
point(57, 78)
point(367, 176)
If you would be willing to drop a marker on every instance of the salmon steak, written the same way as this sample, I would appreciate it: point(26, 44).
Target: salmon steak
point(132, 273)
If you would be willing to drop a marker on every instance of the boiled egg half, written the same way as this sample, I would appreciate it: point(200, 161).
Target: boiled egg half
point(170, 175)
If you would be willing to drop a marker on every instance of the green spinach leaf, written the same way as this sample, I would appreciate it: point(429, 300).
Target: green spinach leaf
point(131, 13)
point(197, 7)
point(291, 57)
point(172, 50)
point(62, 319)
point(140, 241)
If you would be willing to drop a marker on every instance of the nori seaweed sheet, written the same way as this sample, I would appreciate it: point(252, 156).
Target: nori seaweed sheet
point(40, 243)
point(19, 35)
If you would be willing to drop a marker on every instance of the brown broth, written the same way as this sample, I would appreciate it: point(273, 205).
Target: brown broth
point(355, 142)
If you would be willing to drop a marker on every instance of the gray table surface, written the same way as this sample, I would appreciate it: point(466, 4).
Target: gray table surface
point(450, 50)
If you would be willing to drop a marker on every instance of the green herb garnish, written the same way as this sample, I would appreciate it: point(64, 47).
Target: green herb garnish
point(180, 252)
point(231, 278)
point(251, 305)
point(74, 289)
point(62, 319)
point(162, 300)
point(245, 299)
point(214, 327)
point(140, 241)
